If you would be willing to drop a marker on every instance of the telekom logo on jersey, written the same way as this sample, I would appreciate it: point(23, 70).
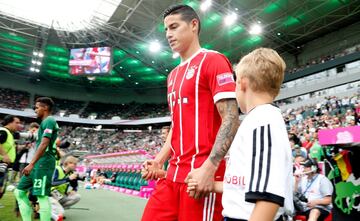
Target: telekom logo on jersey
point(173, 100)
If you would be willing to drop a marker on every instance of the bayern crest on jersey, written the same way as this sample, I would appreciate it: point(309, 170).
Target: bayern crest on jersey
point(191, 72)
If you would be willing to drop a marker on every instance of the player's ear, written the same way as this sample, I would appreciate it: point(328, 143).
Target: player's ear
point(194, 25)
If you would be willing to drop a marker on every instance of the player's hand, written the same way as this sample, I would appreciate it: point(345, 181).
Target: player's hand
point(73, 176)
point(204, 176)
point(150, 170)
point(27, 170)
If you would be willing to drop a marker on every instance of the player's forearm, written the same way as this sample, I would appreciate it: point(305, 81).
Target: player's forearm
point(264, 211)
point(40, 151)
point(228, 110)
point(165, 151)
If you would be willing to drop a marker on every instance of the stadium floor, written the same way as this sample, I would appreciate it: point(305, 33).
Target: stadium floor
point(95, 205)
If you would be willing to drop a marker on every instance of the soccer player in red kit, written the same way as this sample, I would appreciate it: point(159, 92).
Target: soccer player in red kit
point(204, 113)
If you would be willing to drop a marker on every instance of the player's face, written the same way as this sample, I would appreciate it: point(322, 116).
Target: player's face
point(39, 109)
point(179, 33)
point(164, 134)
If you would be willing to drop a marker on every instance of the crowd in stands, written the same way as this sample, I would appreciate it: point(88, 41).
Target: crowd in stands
point(125, 111)
point(67, 107)
point(18, 100)
point(111, 140)
point(324, 59)
point(304, 122)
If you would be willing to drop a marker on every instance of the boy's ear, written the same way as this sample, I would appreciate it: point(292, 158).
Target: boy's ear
point(244, 83)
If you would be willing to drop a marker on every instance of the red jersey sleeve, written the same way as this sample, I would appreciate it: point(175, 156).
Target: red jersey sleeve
point(220, 76)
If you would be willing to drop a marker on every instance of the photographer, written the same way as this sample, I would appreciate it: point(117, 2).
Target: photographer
point(64, 177)
point(314, 190)
point(7, 147)
point(27, 152)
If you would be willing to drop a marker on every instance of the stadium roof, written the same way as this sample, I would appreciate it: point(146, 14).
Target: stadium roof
point(130, 26)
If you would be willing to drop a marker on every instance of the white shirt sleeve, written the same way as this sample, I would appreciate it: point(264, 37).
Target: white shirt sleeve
point(326, 187)
point(271, 165)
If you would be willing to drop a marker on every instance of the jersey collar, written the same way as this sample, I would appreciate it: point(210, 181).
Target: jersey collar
point(192, 56)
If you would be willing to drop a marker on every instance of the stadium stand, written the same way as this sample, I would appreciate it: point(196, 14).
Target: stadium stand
point(13, 99)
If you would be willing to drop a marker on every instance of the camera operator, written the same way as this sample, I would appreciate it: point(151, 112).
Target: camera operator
point(28, 150)
point(11, 124)
point(314, 192)
point(64, 177)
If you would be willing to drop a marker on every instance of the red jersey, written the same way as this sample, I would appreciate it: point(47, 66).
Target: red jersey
point(193, 89)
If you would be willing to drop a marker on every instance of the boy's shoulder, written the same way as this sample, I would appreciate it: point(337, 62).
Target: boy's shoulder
point(264, 115)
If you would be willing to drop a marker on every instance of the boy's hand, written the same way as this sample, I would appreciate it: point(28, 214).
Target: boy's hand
point(204, 175)
point(191, 186)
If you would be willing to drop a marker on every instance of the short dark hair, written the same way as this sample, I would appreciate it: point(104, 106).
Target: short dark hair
point(34, 125)
point(8, 119)
point(187, 13)
point(47, 101)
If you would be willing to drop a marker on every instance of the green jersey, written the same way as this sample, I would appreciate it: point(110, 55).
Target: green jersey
point(49, 129)
point(317, 152)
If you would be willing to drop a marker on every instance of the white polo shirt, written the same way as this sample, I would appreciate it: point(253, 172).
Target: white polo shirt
point(316, 188)
point(259, 165)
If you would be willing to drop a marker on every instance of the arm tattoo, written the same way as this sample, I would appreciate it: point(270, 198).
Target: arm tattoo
point(228, 110)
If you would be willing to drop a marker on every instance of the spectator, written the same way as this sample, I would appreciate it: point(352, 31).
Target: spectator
point(314, 192)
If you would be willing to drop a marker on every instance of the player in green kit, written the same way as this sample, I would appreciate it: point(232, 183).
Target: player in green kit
point(38, 174)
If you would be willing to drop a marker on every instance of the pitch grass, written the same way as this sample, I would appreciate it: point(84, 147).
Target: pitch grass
point(7, 212)
point(95, 205)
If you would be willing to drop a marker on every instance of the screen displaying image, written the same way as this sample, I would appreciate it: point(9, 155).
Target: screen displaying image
point(90, 61)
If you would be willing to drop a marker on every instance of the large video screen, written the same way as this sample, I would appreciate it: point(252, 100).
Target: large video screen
point(90, 61)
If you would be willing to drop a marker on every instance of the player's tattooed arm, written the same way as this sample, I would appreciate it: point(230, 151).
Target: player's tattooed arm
point(228, 110)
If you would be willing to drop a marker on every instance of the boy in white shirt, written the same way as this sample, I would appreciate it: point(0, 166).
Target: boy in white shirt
point(258, 182)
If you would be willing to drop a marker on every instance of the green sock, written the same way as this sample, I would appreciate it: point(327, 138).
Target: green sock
point(24, 204)
point(45, 208)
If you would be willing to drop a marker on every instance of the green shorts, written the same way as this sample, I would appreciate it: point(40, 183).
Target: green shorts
point(39, 181)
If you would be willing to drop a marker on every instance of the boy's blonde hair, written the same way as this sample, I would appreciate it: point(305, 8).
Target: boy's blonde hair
point(70, 159)
point(265, 70)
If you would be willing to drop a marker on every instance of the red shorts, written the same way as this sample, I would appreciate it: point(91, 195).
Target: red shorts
point(171, 202)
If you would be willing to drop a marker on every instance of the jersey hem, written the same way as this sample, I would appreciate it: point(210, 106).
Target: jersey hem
point(224, 95)
point(252, 197)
